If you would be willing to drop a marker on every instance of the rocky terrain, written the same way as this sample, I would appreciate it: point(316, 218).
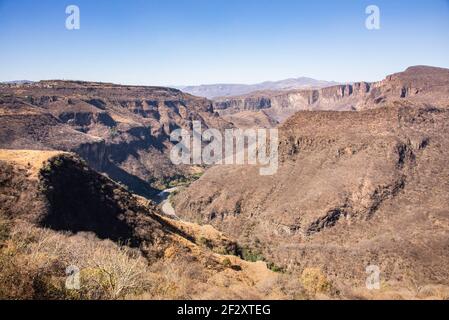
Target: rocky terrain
point(251, 119)
point(353, 189)
point(56, 212)
point(362, 180)
point(420, 84)
point(213, 91)
point(120, 130)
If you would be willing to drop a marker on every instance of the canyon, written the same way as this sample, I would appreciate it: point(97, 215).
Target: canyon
point(364, 185)
point(122, 131)
point(362, 181)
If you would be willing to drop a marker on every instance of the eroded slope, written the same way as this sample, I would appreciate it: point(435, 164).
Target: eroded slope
point(56, 212)
point(353, 189)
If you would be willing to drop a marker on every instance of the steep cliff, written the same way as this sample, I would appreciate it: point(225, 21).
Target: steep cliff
point(419, 84)
point(120, 130)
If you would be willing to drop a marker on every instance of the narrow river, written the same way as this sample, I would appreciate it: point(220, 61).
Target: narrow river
point(163, 199)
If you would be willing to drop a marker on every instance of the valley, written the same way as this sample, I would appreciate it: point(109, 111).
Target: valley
point(86, 179)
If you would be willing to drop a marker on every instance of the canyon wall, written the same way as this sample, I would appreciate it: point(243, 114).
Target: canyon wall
point(413, 84)
point(123, 131)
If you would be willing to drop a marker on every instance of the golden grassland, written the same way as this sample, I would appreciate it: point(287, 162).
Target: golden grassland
point(32, 160)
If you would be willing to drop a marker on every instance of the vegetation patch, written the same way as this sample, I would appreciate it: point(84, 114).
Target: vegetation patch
point(175, 181)
point(315, 281)
point(4, 230)
point(251, 255)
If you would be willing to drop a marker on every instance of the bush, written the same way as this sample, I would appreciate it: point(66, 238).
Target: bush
point(33, 265)
point(314, 281)
point(58, 162)
point(204, 242)
point(4, 231)
point(251, 255)
point(113, 132)
point(227, 263)
point(113, 274)
point(273, 267)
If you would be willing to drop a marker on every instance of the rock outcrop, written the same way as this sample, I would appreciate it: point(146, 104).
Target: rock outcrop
point(420, 84)
point(120, 130)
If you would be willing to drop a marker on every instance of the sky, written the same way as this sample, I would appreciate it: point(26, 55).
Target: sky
point(192, 42)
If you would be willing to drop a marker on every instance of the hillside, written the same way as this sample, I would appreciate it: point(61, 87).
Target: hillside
point(353, 189)
point(56, 212)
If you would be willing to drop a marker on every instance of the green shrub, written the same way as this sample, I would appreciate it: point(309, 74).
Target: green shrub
point(204, 242)
point(227, 263)
point(273, 267)
point(251, 255)
point(57, 162)
point(113, 132)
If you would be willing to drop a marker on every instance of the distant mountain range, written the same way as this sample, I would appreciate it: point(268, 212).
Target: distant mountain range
point(19, 82)
point(212, 91)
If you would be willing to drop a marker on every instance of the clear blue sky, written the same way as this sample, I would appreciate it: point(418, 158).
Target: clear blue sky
point(176, 42)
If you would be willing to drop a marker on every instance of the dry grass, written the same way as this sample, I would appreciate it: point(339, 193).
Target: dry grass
point(397, 291)
point(33, 264)
point(122, 119)
point(30, 159)
point(24, 111)
point(315, 281)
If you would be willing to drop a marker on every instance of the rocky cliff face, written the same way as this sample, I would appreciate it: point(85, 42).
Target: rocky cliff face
point(352, 189)
point(120, 130)
point(319, 99)
point(420, 84)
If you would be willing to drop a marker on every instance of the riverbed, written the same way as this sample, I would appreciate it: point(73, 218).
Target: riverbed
point(163, 199)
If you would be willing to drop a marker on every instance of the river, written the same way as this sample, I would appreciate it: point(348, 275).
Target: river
point(163, 199)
